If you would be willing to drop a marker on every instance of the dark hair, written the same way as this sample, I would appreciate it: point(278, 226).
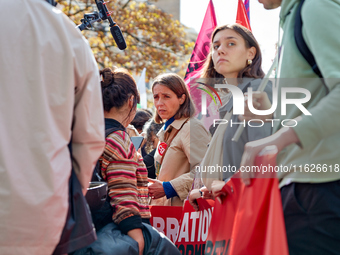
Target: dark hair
point(254, 70)
point(117, 87)
point(178, 86)
point(151, 128)
point(141, 117)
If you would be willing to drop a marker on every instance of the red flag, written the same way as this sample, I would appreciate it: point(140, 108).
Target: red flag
point(242, 17)
point(198, 57)
point(246, 5)
point(202, 46)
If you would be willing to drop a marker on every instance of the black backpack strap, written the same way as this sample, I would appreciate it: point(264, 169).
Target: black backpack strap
point(97, 175)
point(302, 46)
point(301, 43)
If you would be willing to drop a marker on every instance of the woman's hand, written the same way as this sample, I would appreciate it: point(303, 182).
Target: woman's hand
point(216, 189)
point(280, 139)
point(206, 193)
point(137, 235)
point(199, 193)
point(156, 189)
point(194, 194)
point(260, 102)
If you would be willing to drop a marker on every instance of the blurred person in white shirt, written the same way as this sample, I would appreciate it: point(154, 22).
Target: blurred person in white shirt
point(50, 92)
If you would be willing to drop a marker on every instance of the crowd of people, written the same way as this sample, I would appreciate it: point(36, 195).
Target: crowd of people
point(60, 114)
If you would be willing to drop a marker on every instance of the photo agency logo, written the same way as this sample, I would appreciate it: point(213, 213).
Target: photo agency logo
point(239, 104)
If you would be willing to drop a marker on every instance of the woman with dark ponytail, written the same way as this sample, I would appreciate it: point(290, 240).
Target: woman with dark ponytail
point(120, 159)
point(123, 169)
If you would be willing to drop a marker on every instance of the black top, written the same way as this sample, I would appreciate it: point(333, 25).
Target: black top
point(111, 123)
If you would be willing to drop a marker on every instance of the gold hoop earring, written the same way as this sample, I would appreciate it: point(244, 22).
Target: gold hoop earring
point(249, 62)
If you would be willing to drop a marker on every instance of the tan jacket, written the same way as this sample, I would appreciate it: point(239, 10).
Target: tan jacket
point(49, 83)
point(186, 150)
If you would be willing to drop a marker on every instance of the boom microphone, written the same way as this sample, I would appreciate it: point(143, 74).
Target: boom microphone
point(114, 28)
point(118, 36)
point(104, 14)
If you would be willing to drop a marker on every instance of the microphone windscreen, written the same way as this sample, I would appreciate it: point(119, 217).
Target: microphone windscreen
point(118, 36)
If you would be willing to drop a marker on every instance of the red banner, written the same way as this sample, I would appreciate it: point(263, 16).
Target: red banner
point(252, 217)
point(185, 227)
point(166, 219)
point(195, 227)
point(249, 220)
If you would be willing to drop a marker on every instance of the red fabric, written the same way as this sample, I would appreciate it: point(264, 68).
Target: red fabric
point(242, 17)
point(198, 57)
point(250, 219)
point(247, 7)
point(194, 228)
point(222, 223)
point(202, 46)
